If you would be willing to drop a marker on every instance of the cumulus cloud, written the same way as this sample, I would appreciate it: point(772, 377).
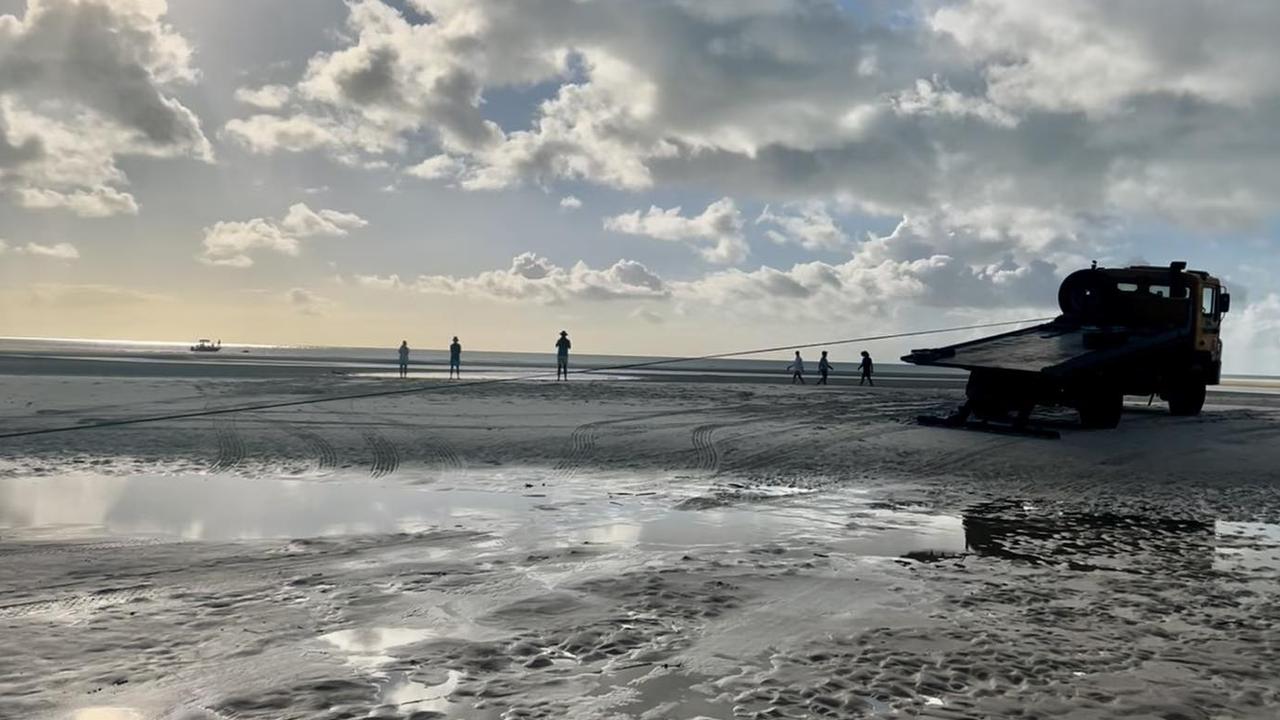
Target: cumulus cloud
point(58, 251)
point(647, 315)
point(395, 79)
point(907, 267)
point(716, 233)
point(570, 202)
point(230, 243)
point(436, 167)
point(1251, 335)
point(806, 224)
point(1098, 57)
point(1087, 111)
point(307, 302)
point(83, 82)
point(379, 282)
point(96, 203)
point(302, 221)
point(269, 133)
point(534, 278)
point(903, 268)
point(267, 97)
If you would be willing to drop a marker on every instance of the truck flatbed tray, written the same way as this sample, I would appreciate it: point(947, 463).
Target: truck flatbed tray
point(1056, 348)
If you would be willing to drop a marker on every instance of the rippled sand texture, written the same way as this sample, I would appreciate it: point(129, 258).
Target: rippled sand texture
point(628, 550)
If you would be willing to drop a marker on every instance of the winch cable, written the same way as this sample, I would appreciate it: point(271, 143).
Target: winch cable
point(441, 387)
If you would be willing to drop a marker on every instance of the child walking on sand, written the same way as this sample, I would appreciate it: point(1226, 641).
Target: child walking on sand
point(797, 369)
point(824, 367)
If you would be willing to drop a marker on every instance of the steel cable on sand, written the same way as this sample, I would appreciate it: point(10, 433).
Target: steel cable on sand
point(441, 387)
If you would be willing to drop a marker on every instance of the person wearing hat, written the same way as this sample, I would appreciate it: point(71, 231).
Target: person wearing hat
point(455, 359)
point(562, 356)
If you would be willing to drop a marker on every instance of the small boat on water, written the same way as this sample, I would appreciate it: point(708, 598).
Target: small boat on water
point(206, 345)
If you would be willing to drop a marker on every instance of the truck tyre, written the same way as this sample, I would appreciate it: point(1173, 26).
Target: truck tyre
point(1187, 398)
point(1100, 408)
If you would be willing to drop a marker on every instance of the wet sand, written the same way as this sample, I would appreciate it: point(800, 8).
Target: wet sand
point(626, 549)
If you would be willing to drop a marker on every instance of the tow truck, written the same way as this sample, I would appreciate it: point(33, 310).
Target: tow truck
point(1139, 330)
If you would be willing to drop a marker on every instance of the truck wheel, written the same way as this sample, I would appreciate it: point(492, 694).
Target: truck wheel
point(1101, 408)
point(1187, 398)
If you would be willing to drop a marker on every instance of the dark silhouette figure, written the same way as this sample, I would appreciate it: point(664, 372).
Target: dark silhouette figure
point(404, 358)
point(824, 367)
point(562, 356)
point(797, 370)
point(455, 359)
point(867, 368)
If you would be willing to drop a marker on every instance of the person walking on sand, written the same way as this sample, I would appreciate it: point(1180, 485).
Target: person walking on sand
point(824, 367)
point(455, 359)
point(562, 356)
point(797, 369)
point(404, 359)
point(867, 368)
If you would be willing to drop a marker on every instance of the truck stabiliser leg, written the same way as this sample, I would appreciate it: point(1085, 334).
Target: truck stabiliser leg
point(988, 427)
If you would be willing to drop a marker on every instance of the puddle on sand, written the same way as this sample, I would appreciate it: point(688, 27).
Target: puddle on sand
point(368, 648)
point(1247, 546)
point(228, 507)
point(672, 692)
point(105, 713)
point(216, 507)
point(212, 507)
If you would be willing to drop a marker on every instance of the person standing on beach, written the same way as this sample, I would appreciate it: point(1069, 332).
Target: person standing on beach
point(404, 358)
point(824, 367)
point(455, 359)
point(797, 369)
point(866, 367)
point(562, 356)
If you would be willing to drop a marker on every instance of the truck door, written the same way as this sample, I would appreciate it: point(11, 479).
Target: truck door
point(1210, 322)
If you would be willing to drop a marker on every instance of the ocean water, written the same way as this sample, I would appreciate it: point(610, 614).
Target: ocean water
point(368, 359)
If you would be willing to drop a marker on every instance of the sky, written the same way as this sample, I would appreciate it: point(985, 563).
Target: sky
point(664, 177)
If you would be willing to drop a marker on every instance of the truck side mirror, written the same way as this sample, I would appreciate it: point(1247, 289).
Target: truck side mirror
point(1224, 303)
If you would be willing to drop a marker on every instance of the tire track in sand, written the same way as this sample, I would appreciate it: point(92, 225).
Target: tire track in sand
point(706, 454)
point(783, 445)
point(446, 457)
point(386, 459)
point(78, 547)
point(952, 460)
point(432, 447)
point(93, 600)
point(582, 445)
point(231, 448)
point(582, 441)
point(326, 456)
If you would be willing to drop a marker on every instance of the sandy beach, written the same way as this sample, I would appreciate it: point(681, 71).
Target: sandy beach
point(622, 547)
